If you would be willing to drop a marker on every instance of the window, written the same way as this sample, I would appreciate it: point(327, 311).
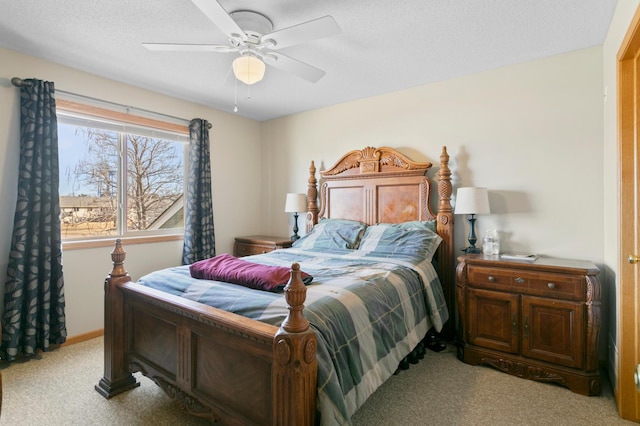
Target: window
point(119, 178)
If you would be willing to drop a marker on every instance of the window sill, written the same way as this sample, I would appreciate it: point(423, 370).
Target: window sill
point(110, 242)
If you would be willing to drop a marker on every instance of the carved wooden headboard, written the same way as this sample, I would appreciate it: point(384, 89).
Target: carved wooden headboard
point(381, 185)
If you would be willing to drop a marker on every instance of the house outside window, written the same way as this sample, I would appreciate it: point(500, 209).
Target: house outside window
point(119, 179)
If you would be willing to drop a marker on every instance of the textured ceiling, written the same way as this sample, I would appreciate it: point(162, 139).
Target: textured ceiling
point(384, 45)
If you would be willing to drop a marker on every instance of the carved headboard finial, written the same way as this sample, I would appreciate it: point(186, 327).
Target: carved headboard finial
point(312, 198)
point(444, 183)
point(372, 160)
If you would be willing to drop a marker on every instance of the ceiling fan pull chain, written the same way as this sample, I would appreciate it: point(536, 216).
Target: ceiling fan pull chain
point(235, 99)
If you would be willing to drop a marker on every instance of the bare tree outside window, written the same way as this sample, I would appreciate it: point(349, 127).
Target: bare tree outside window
point(155, 176)
point(153, 187)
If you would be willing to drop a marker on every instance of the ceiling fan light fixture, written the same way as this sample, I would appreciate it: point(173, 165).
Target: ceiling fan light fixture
point(248, 69)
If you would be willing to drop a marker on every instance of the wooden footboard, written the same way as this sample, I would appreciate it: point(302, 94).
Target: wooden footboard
point(212, 363)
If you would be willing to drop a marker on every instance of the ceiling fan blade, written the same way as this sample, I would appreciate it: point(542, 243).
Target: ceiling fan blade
point(216, 13)
point(294, 66)
point(301, 33)
point(187, 47)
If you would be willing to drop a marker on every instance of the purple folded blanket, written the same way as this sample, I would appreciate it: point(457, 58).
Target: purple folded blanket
point(225, 267)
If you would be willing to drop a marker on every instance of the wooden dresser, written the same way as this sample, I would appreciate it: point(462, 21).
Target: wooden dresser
point(539, 321)
point(258, 244)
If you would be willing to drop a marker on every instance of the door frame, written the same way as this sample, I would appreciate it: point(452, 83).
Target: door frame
point(628, 111)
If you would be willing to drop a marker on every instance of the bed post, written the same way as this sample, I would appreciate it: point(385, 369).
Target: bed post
point(117, 377)
point(295, 367)
point(445, 251)
point(312, 198)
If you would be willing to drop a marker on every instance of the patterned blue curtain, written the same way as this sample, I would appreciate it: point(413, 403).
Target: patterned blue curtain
point(34, 316)
point(199, 236)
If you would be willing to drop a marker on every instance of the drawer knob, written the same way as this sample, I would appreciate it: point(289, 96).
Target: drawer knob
point(520, 280)
point(551, 285)
point(491, 278)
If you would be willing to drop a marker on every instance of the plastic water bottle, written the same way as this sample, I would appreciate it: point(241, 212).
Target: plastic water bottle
point(491, 242)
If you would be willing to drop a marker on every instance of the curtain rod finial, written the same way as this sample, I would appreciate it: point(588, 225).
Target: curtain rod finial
point(16, 81)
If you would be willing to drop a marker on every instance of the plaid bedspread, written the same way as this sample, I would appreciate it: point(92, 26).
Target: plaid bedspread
point(367, 312)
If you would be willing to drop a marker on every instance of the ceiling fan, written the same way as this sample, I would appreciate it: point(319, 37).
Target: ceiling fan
point(253, 37)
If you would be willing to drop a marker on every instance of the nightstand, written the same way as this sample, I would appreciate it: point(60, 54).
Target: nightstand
point(258, 244)
point(538, 320)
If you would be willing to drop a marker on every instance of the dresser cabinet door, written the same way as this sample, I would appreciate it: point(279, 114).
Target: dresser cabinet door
point(552, 330)
point(493, 320)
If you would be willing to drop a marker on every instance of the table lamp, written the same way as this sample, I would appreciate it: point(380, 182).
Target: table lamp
point(295, 203)
point(472, 201)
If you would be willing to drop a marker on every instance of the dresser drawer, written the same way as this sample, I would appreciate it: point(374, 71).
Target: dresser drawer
point(527, 282)
point(557, 285)
point(483, 277)
point(259, 244)
point(243, 249)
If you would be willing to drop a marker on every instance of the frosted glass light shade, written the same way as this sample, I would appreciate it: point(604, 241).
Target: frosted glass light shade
point(295, 203)
point(248, 69)
point(472, 201)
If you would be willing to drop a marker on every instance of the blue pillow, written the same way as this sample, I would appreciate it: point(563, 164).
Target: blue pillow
point(426, 225)
point(333, 234)
point(407, 239)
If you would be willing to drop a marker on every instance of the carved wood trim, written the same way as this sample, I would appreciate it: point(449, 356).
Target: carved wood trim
point(524, 370)
point(185, 401)
point(539, 374)
point(371, 160)
point(461, 286)
point(593, 291)
point(118, 255)
point(295, 293)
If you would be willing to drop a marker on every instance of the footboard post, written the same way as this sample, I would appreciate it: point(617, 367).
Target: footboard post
point(295, 367)
point(116, 378)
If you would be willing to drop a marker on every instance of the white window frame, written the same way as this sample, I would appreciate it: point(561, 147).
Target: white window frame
point(71, 112)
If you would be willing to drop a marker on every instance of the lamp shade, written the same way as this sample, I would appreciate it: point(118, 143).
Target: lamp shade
point(295, 203)
point(248, 69)
point(472, 201)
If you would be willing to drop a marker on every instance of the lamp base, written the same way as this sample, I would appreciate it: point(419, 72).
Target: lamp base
point(472, 236)
point(472, 250)
point(295, 235)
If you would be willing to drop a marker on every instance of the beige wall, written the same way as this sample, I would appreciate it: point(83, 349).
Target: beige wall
point(531, 133)
point(625, 11)
point(235, 143)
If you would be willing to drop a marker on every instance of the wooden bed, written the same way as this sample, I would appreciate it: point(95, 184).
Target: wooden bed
point(211, 362)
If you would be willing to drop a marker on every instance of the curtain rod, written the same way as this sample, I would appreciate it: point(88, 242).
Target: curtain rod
point(18, 82)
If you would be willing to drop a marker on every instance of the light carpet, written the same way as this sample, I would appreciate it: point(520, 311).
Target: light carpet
point(57, 388)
